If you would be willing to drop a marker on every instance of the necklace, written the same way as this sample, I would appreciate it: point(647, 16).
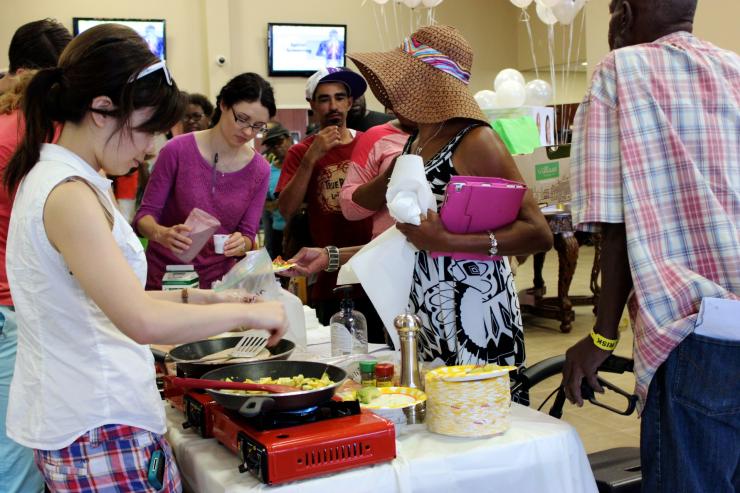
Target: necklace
point(420, 147)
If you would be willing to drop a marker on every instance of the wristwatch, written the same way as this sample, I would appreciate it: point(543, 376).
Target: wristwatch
point(333, 253)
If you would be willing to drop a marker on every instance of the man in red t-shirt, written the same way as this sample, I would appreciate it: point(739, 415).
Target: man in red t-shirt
point(314, 171)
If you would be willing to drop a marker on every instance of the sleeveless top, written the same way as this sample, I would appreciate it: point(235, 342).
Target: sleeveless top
point(74, 369)
point(469, 309)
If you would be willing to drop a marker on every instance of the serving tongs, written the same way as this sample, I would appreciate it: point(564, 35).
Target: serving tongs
point(199, 383)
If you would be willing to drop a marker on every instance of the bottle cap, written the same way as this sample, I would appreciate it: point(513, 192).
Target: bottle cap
point(384, 370)
point(367, 366)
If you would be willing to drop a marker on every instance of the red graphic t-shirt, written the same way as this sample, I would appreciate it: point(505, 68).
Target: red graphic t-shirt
point(328, 225)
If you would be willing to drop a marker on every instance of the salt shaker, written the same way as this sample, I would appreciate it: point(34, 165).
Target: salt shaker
point(408, 327)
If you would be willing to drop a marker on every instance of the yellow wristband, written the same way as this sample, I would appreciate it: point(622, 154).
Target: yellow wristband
point(602, 342)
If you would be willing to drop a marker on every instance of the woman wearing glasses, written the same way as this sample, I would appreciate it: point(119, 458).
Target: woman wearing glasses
point(215, 170)
point(83, 394)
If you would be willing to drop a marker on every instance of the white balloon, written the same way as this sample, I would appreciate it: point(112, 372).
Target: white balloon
point(412, 4)
point(522, 4)
point(545, 14)
point(486, 99)
point(508, 74)
point(430, 4)
point(380, 2)
point(511, 94)
point(549, 3)
point(539, 93)
point(567, 10)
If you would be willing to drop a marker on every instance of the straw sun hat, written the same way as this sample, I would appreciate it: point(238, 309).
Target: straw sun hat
point(426, 79)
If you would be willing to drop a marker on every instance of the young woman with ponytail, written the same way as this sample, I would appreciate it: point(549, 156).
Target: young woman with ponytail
point(83, 395)
point(216, 170)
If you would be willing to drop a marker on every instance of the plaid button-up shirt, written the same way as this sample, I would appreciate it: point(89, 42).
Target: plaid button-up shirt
point(657, 147)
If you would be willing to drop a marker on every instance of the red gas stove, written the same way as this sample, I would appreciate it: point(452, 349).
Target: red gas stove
point(286, 446)
point(197, 406)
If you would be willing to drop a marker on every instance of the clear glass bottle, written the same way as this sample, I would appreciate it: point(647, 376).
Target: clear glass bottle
point(348, 327)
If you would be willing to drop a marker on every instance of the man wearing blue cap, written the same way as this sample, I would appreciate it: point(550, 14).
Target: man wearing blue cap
point(313, 172)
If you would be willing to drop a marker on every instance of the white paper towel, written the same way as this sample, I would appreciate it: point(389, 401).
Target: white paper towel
point(409, 193)
point(385, 266)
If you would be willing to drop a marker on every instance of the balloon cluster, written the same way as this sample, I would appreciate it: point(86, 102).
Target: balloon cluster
point(511, 91)
point(553, 11)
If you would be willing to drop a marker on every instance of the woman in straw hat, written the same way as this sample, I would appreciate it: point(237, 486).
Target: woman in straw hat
point(469, 310)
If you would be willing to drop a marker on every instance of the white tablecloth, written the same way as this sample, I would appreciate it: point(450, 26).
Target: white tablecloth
point(539, 454)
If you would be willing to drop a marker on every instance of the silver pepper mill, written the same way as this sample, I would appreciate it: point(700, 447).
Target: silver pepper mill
point(408, 327)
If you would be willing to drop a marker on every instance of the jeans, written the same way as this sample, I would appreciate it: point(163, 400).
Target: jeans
point(690, 431)
point(18, 473)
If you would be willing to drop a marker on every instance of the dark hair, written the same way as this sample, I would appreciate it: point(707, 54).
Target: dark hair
point(202, 101)
point(102, 61)
point(248, 87)
point(37, 45)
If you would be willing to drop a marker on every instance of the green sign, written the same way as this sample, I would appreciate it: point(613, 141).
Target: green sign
point(546, 171)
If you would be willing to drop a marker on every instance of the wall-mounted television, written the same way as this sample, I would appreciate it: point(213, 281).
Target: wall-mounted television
point(152, 30)
point(302, 49)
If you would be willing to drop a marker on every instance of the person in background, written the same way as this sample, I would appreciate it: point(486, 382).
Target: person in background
point(198, 113)
point(34, 46)
point(362, 119)
point(215, 170)
point(363, 192)
point(277, 141)
point(655, 169)
point(313, 172)
point(91, 411)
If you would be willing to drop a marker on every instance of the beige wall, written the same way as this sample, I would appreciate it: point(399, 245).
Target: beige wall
point(200, 30)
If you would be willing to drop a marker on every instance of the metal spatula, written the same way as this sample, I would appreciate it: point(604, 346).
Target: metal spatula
point(249, 345)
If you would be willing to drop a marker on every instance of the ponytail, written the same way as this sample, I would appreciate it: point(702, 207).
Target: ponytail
point(40, 107)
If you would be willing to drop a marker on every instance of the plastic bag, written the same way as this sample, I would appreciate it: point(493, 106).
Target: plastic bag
point(254, 274)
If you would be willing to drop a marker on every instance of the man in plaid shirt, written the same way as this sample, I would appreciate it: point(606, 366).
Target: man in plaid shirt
point(655, 168)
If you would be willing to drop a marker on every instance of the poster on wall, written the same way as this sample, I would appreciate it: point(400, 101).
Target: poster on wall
point(302, 49)
point(152, 30)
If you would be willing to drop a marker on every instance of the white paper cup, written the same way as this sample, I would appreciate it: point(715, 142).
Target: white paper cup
point(218, 242)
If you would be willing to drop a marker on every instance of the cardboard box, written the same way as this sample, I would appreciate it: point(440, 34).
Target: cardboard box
point(180, 276)
point(547, 173)
point(543, 116)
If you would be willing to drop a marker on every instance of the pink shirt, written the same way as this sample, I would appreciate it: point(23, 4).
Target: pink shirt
point(374, 152)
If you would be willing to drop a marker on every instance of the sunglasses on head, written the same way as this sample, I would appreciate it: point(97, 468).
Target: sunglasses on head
point(160, 65)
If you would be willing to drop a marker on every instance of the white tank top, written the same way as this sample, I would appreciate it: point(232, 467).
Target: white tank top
point(74, 370)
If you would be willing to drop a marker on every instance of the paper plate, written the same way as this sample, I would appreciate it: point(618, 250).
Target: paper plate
point(417, 395)
point(465, 373)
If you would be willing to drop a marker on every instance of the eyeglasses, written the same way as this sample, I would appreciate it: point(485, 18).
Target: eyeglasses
point(195, 117)
point(243, 123)
point(160, 65)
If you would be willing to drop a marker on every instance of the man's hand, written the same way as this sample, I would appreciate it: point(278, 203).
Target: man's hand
point(581, 361)
point(176, 238)
point(327, 138)
point(308, 261)
point(430, 235)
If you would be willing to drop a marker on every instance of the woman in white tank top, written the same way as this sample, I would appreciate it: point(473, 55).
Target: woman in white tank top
point(83, 394)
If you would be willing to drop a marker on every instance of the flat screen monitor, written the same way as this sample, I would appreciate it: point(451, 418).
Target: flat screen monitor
point(302, 49)
point(152, 30)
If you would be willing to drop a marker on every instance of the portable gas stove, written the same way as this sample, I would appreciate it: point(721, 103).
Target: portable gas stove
point(197, 406)
point(286, 446)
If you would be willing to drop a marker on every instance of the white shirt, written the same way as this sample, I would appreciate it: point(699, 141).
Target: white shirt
point(74, 370)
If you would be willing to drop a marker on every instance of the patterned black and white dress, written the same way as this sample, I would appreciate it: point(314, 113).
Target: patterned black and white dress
point(469, 309)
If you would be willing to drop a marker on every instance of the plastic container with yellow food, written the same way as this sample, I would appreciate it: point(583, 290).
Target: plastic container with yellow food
point(468, 400)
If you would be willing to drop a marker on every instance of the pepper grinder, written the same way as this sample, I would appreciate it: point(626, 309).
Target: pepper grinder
point(408, 327)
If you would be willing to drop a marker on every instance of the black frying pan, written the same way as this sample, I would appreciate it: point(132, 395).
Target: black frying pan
point(252, 405)
point(196, 350)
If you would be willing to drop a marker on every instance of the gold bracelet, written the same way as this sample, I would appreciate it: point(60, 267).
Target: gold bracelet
point(602, 342)
point(184, 295)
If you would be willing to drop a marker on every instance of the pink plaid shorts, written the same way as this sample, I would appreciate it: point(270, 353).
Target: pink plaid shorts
point(109, 459)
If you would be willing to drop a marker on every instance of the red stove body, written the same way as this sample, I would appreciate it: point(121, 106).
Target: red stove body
point(306, 450)
point(199, 410)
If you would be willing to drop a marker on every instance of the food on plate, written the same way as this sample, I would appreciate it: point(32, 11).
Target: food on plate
point(366, 394)
point(299, 381)
point(279, 264)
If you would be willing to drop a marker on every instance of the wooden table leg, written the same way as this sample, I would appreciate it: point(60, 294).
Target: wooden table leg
point(538, 262)
point(567, 247)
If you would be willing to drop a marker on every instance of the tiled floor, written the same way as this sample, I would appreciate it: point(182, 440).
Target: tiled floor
point(599, 429)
